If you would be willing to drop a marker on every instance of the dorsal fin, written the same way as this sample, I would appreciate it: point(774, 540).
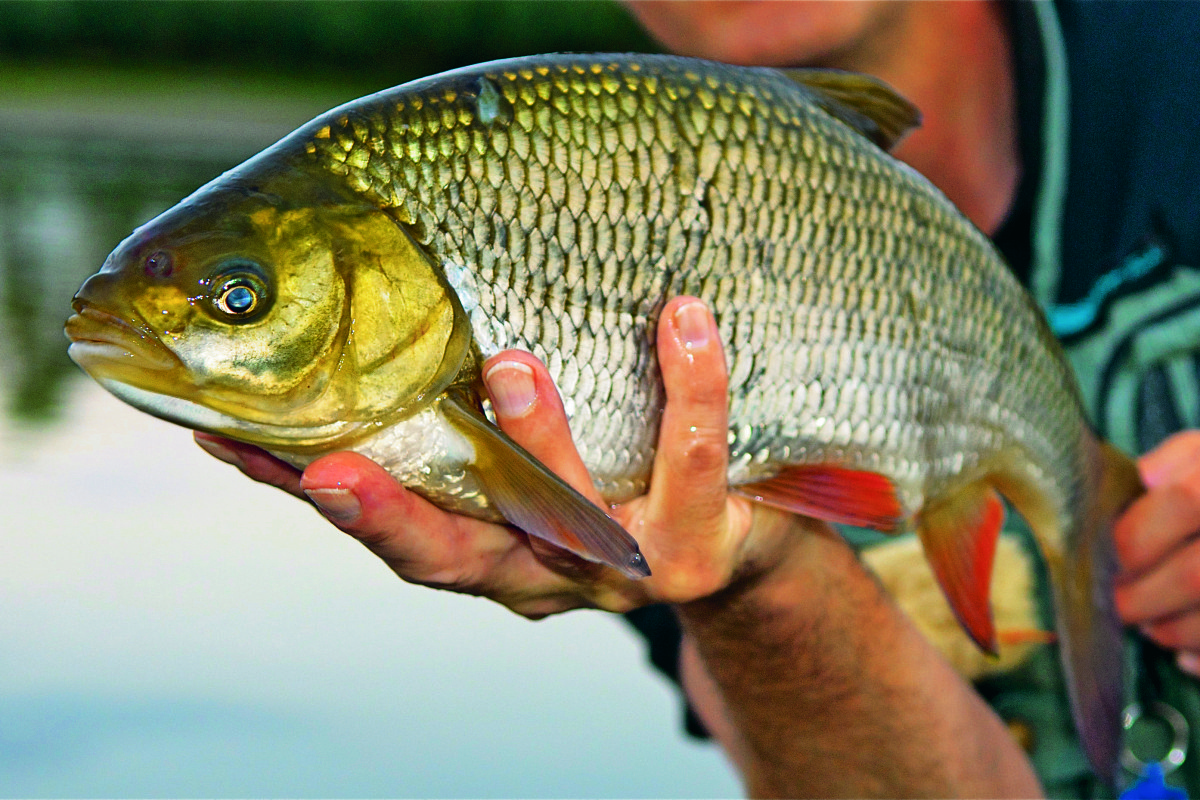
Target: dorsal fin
point(866, 104)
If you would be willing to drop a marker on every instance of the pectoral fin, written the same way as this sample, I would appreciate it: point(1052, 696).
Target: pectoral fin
point(833, 494)
point(959, 534)
point(539, 502)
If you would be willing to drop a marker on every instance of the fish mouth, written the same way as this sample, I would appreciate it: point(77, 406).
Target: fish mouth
point(134, 365)
point(102, 342)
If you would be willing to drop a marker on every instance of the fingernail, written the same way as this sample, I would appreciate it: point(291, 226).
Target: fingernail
point(220, 451)
point(1189, 663)
point(510, 384)
point(691, 320)
point(340, 505)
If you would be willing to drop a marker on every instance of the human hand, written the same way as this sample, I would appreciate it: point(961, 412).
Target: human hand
point(1159, 550)
point(696, 538)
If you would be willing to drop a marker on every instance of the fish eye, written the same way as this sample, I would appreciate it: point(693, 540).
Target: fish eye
point(239, 291)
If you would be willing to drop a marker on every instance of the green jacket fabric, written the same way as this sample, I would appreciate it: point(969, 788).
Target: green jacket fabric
point(1110, 131)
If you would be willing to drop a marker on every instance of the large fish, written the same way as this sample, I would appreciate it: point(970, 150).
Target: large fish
point(341, 289)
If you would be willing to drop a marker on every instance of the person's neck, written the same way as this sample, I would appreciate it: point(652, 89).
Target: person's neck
point(954, 61)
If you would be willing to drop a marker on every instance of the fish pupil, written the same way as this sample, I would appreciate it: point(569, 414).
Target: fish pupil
point(239, 300)
point(240, 291)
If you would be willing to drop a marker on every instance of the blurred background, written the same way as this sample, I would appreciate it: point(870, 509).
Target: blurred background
point(168, 628)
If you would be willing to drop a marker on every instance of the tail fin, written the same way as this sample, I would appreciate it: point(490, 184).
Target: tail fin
point(1089, 630)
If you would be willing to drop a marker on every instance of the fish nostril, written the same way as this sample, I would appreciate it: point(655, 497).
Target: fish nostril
point(159, 264)
point(96, 291)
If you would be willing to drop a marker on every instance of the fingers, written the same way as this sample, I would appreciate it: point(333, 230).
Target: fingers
point(529, 409)
point(1181, 632)
point(684, 523)
point(426, 545)
point(1170, 588)
point(419, 541)
point(1158, 522)
point(1156, 541)
point(413, 536)
point(688, 509)
point(1189, 662)
point(693, 447)
point(254, 462)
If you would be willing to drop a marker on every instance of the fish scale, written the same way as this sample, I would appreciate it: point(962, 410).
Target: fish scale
point(544, 265)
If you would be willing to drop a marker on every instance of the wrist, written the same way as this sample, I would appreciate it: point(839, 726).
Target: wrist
point(809, 656)
point(793, 570)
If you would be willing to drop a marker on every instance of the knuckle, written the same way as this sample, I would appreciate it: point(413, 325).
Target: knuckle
point(707, 389)
point(613, 598)
point(378, 541)
point(620, 604)
point(1126, 605)
point(706, 452)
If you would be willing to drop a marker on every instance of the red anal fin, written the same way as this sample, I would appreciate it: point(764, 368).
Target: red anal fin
point(959, 534)
point(833, 494)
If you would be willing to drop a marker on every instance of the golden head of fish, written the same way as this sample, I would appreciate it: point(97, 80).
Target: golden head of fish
point(276, 311)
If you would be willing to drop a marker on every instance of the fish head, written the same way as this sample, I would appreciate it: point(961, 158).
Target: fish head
point(274, 308)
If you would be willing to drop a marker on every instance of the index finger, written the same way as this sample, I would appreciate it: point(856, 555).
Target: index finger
point(688, 483)
point(529, 408)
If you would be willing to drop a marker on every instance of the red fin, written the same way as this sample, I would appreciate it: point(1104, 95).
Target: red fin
point(959, 534)
point(833, 494)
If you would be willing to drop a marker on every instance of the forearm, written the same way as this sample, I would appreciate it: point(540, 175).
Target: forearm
point(818, 686)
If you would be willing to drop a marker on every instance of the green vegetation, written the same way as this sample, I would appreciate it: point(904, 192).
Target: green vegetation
point(387, 42)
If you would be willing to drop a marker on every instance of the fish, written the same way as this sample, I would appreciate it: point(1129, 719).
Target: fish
point(342, 289)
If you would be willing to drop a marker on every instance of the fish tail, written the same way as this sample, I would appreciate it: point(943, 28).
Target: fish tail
point(1089, 629)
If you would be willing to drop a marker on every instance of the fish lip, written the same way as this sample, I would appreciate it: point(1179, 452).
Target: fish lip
point(98, 335)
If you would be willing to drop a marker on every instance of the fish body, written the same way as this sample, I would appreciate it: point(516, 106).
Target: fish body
point(342, 289)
